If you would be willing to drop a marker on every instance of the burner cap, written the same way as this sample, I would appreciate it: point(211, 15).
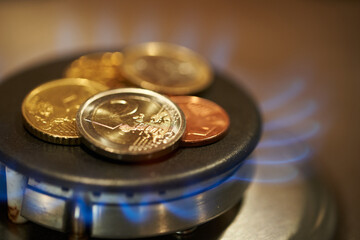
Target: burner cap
point(75, 167)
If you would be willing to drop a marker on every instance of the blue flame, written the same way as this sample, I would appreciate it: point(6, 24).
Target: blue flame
point(282, 98)
point(271, 176)
point(3, 196)
point(281, 148)
point(291, 119)
point(182, 212)
point(82, 210)
point(134, 213)
point(303, 155)
point(274, 142)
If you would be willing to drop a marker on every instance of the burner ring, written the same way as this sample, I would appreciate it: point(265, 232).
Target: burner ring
point(117, 215)
point(74, 167)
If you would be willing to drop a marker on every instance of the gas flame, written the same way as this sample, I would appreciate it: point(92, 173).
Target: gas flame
point(283, 145)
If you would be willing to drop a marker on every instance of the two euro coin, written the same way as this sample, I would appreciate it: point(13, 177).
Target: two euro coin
point(130, 124)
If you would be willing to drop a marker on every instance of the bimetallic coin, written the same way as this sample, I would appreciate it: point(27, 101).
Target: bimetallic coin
point(130, 124)
point(49, 111)
point(206, 121)
point(166, 68)
point(103, 67)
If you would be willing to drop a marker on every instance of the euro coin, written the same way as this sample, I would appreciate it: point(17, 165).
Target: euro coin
point(130, 124)
point(49, 111)
point(103, 67)
point(206, 121)
point(166, 68)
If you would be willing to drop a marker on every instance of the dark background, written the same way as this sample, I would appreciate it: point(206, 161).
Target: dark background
point(267, 46)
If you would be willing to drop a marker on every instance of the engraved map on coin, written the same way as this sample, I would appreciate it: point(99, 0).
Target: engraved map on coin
point(50, 109)
point(131, 124)
point(136, 122)
point(207, 122)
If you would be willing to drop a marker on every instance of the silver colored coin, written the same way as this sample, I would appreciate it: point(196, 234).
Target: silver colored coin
point(130, 124)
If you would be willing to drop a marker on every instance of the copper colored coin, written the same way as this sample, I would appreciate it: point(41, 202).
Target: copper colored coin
point(206, 122)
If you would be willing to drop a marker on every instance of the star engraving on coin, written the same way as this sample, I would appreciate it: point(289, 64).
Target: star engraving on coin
point(167, 68)
point(49, 111)
point(130, 124)
point(207, 122)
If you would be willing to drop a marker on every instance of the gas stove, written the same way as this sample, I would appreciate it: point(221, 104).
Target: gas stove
point(226, 190)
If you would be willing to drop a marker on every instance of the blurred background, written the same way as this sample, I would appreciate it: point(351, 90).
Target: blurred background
point(299, 59)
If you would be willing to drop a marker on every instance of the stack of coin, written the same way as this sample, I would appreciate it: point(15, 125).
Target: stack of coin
point(129, 124)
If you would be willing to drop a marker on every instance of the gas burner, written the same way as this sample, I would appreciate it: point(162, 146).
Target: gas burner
point(130, 215)
point(72, 190)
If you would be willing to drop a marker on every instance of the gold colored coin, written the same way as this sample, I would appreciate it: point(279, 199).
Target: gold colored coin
point(49, 111)
point(166, 68)
point(103, 67)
